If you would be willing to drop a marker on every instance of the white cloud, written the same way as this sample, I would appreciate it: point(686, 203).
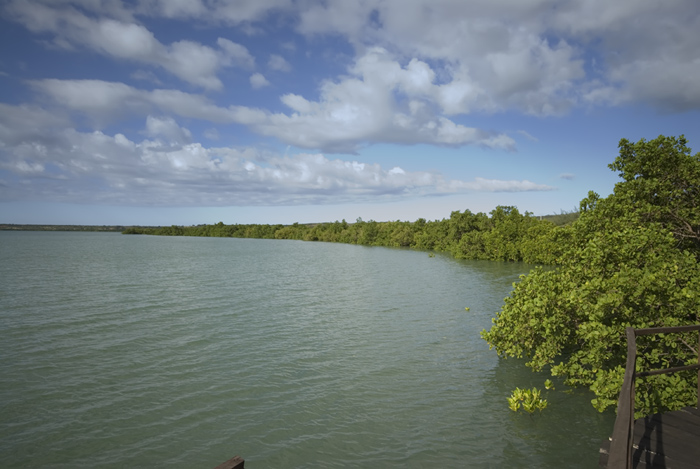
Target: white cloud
point(245, 11)
point(346, 18)
point(420, 66)
point(167, 128)
point(492, 64)
point(541, 57)
point(145, 75)
point(212, 134)
point(105, 102)
point(380, 101)
point(24, 167)
point(236, 53)
point(536, 56)
point(174, 8)
point(190, 61)
point(194, 63)
point(277, 62)
point(167, 169)
point(122, 40)
point(667, 85)
point(350, 113)
point(528, 136)
point(496, 185)
point(257, 81)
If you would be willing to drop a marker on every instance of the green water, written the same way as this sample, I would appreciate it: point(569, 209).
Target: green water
point(134, 351)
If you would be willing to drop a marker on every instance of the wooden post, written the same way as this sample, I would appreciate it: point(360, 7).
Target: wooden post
point(631, 348)
point(235, 462)
point(620, 455)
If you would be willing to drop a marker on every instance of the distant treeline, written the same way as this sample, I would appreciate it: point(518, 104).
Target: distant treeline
point(503, 235)
point(100, 228)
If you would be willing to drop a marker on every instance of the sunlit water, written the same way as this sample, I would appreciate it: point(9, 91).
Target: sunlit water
point(134, 351)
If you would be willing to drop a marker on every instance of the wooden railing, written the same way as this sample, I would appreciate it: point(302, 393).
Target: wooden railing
point(620, 455)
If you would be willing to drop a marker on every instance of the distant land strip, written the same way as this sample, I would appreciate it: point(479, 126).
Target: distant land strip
point(557, 219)
point(100, 228)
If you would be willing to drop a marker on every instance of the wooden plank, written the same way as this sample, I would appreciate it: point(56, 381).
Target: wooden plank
point(647, 460)
point(663, 463)
point(235, 462)
point(675, 446)
point(677, 419)
point(666, 434)
point(663, 440)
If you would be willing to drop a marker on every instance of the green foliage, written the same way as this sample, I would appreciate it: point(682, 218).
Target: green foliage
point(632, 260)
point(505, 235)
point(529, 400)
point(662, 181)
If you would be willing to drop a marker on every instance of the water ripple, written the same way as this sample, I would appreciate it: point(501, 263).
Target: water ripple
point(123, 351)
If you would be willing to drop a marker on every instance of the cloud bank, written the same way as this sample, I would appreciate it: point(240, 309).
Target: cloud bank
point(168, 169)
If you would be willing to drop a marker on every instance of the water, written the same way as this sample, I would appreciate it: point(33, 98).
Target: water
point(135, 351)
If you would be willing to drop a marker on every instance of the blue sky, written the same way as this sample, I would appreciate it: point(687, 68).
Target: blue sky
point(160, 112)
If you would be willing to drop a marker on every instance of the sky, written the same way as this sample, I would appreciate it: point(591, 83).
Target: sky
point(183, 112)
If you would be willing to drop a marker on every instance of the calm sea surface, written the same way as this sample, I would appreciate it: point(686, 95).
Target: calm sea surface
point(135, 351)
